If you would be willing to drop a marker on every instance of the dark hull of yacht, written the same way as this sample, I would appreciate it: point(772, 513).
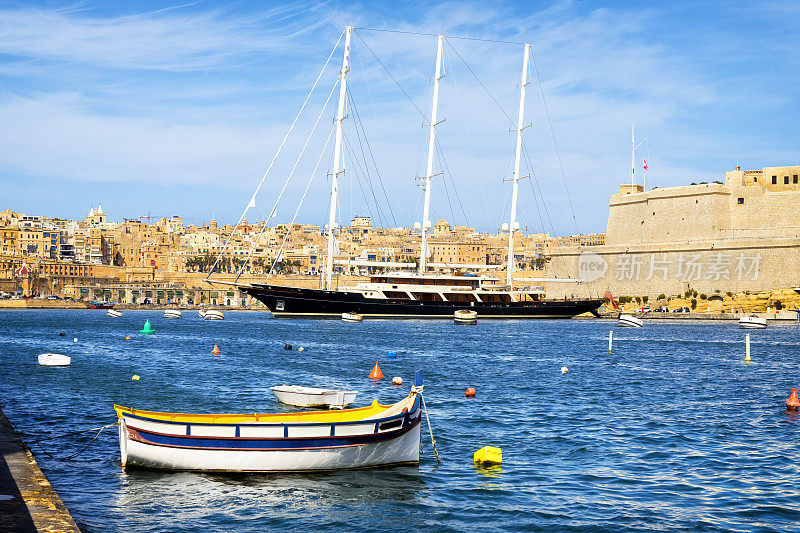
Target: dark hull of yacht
point(288, 302)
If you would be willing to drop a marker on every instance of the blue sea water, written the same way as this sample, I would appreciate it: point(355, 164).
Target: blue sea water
point(672, 431)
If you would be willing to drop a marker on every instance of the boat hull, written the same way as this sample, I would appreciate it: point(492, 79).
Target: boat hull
point(752, 323)
point(287, 302)
point(113, 313)
point(628, 321)
point(403, 449)
point(314, 397)
point(213, 314)
point(172, 313)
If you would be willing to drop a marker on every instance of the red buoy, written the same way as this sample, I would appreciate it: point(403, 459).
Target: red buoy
point(470, 392)
point(793, 404)
point(215, 351)
point(376, 372)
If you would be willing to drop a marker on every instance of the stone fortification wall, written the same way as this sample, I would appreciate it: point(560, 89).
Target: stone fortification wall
point(674, 214)
point(672, 268)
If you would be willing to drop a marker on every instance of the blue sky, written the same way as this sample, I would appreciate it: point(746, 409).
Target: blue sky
point(179, 110)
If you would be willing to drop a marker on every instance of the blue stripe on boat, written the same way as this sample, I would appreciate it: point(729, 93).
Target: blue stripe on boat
point(237, 443)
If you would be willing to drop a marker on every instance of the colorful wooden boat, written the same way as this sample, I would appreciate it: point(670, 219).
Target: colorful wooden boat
point(368, 437)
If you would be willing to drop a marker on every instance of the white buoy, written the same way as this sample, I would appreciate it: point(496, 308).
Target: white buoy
point(747, 347)
point(75, 339)
point(610, 340)
point(564, 370)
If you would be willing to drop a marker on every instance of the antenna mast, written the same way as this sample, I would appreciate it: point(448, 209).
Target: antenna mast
point(337, 160)
point(515, 189)
point(426, 224)
point(633, 157)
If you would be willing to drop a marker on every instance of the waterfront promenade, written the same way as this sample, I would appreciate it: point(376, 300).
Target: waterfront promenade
point(27, 500)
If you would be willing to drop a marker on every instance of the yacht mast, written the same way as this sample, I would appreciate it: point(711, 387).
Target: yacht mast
point(515, 189)
point(337, 151)
point(426, 224)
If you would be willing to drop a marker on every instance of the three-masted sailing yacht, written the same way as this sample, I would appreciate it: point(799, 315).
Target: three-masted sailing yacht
point(422, 293)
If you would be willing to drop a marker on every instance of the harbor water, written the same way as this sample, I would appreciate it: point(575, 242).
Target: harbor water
point(673, 430)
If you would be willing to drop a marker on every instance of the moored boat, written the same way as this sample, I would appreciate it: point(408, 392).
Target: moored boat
point(374, 436)
point(213, 314)
point(465, 316)
point(314, 397)
point(101, 305)
point(752, 322)
point(352, 317)
point(113, 313)
point(630, 321)
point(54, 359)
point(201, 313)
point(172, 313)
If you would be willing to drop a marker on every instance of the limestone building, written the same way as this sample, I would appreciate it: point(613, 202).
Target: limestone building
point(742, 234)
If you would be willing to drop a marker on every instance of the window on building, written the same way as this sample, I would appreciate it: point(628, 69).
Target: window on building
point(794, 179)
point(740, 201)
point(786, 180)
point(774, 180)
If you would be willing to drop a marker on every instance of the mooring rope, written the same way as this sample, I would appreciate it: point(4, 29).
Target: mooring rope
point(435, 453)
point(70, 457)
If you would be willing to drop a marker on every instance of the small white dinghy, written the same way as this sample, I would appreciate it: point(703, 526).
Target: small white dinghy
point(213, 314)
point(113, 313)
point(54, 359)
point(465, 316)
point(752, 322)
point(630, 321)
point(172, 313)
point(352, 317)
point(313, 397)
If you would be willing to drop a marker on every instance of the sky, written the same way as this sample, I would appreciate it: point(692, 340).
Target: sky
point(179, 110)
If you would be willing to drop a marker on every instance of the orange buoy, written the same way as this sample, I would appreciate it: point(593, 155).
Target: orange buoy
point(376, 372)
point(793, 403)
point(215, 351)
point(470, 392)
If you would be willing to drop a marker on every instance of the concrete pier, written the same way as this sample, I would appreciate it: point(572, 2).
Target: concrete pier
point(27, 500)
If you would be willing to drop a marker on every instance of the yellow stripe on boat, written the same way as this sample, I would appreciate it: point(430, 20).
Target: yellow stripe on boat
point(347, 415)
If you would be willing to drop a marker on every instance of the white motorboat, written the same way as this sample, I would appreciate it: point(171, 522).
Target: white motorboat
point(214, 314)
point(172, 313)
point(54, 359)
point(201, 313)
point(465, 316)
point(630, 321)
point(113, 313)
point(313, 397)
point(752, 322)
point(352, 317)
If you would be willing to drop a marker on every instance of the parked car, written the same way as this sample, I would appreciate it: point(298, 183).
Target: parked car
point(53, 297)
point(681, 310)
point(644, 309)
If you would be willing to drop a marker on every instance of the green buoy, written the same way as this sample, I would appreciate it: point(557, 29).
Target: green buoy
point(147, 329)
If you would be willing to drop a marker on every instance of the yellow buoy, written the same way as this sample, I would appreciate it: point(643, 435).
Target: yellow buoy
point(127, 338)
point(135, 377)
point(300, 349)
point(489, 455)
